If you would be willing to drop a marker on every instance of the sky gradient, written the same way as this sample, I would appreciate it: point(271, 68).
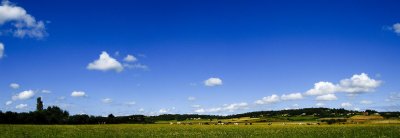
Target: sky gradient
point(205, 57)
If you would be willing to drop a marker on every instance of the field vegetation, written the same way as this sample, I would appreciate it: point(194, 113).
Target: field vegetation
point(164, 130)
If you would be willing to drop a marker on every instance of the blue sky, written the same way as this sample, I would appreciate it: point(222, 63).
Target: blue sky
point(205, 57)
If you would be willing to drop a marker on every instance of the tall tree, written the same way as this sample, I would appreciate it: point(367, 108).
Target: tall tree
point(39, 104)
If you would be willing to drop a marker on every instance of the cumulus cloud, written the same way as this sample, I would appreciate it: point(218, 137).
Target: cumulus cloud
point(9, 103)
point(23, 24)
point(213, 82)
point(78, 94)
point(14, 85)
point(23, 95)
point(365, 102)
point(358, 83)
point(396, 28)
point(105, 63)
point(321, 88)
point(106, 100)
point(235, 106)
point(191, 98)
point(346, 104)
point(21, 106)
point(130, 58)
point(292, 96)
point(1, 50)
point(268, 100)
point(326, 97)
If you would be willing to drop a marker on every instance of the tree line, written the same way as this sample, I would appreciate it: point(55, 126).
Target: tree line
point(55, 115)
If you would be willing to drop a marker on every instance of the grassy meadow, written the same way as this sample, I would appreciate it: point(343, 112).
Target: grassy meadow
point(164, 130)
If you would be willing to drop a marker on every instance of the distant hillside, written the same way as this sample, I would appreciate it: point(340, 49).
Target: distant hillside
point(315, 112)
point(55, 115)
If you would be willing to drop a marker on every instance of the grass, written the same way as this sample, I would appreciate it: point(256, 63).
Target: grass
point(363, 117)
point(160, 130)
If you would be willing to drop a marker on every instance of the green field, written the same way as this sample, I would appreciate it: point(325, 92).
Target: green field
point(163, 130)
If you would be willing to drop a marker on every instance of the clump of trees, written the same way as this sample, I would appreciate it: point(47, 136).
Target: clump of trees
point(55, 115)
point(50, 115)
point(333, 121)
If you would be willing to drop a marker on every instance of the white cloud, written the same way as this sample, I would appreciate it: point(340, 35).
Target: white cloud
point(294, 106)
point(106, 100)
point(200, 110)
point(21, 106)
point(326, 97)
point(191, 98)
point(105, 63)
point(321, 88)
point(130, 58)
point(24, 24)
point(23, 95)
point(268, 100)
point(14, 85)
point(163, 111)
point(396, 28)
point(292, 96)
point(226, 107)
point(78, 94)
point(366, 102)
point(213, 82)
point(1, 50)
point(212, 110)
point(359, 83)
point(319, 104)
point(129, 63)
point(235, 106)
point(9, 103)
point(346, 104)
